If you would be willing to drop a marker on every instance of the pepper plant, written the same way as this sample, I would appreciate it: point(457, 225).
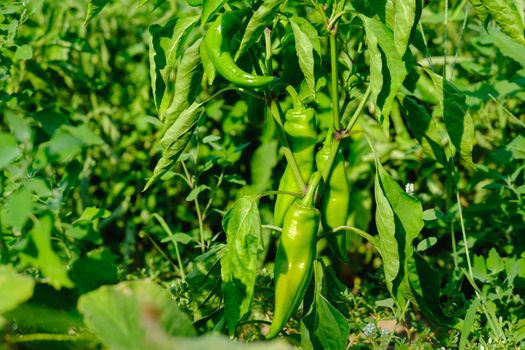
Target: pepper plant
point(307, 71)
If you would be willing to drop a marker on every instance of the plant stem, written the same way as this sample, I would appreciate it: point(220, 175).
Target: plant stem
point(359, 110)
point(201, 225)
point(360, 232)
point(335, 92)
point(167, 229)
point(292, 164)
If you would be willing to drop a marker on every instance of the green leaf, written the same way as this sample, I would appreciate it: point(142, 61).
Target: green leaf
point(263, 162)
point(405, 16)
point(9, 149)
point(426, 130)
point(323, 327)
point(481, 10)
point(422, 287)
point(181, 238)
point(242, 225)
point(93, 213)
point(94, 7)
point(133, 315)
point(17, 208)
point(508, 18)
point(20, 288)
point(387, 243)
point(24, 52)
point(426, 244)
point(310, 31)
point(399, 219)
point(494, 262)
point(517, 147)
point(458, 122)
point(175, 140)
point(207, 64)
point(165, 45)
point(468, 323)
point(261, 18)
point(387, 69)
point(507, 46)
point(304, 48)
point(187, 82)
point(47, 260)
point(209, 7)
point(195, 192)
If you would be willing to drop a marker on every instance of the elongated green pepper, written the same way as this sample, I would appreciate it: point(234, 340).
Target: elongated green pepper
point(217, 46)
point(335, 200)
point(295, 256)
point(300, 129)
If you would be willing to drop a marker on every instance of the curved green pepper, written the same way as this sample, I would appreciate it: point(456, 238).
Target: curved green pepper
point(300, 128)
point(295, 256)
point(335, 200)
point(218, 49)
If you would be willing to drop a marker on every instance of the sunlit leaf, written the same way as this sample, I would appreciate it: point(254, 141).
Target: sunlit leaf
point(47, 259)
point(175, 140)
point(20, 288)
point(9, 149)
point(304, 47)
point(458, 122)
point(387, 69)
point(261, 18)
point(133, 315)
point(242, 225)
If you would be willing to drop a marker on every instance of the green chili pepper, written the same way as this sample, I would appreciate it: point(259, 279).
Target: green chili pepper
point(300, 129)
point(295, 256)
point(335, 200)
point(218, 49)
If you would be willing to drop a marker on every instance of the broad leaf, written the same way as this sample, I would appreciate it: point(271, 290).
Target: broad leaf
point(175, 140)
point(508, 18)
point(46, 259)
point(387, 69)
point(387, 243)
point(20, 288)
point(17, 208)
point(242, 225)
point(481, 10)
point(422, 287)
point(165, 45)
point(426, 130)
point(405, 16)
point(458, 122)
point(507, 46)
point(133, 315)
point(262, 17)
point(399, 219)
point(186, 84)
point(9, 149)
point(323, 327)
point(304, 48)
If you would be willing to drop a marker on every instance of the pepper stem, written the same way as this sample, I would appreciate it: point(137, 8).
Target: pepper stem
point(297, 103)
point(308, 199)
